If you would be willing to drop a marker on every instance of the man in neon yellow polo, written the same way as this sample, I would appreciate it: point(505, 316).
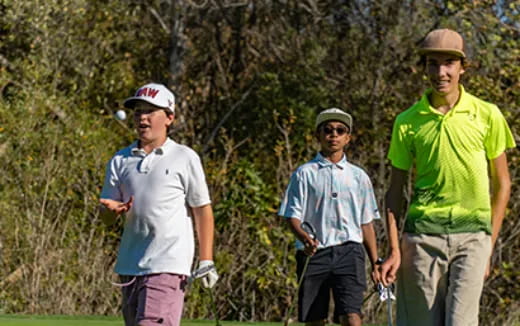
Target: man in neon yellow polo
point(452, 139)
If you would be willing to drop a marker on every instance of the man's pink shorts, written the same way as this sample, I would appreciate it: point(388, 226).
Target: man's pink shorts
point(155, 299)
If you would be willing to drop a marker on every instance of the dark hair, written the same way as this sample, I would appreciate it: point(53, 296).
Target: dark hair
point(169, 131)
point(463, 61)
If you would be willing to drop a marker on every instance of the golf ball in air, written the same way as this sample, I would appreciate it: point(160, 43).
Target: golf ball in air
point(120, 115)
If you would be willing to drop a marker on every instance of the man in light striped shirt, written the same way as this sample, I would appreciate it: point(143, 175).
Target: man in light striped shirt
point(337, 198)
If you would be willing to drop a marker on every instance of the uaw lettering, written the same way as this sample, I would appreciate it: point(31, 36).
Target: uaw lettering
point(150, 92)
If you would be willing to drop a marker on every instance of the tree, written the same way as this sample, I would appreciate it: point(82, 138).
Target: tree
point(250, 77)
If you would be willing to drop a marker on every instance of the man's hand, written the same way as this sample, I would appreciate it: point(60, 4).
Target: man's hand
point(487, 273)
point(117, 207)
point(207, 272)
point(311, 245)
point(388, 269)
point(111, 209)
point(375, 275)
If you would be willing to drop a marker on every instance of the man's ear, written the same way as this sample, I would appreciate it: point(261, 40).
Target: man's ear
point(317, 134)
point(171, 118)
point(349, 138)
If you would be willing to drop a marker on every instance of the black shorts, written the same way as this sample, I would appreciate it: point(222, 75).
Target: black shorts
point(339, 268)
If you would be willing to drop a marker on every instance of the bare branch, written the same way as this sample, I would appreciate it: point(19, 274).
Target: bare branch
point(159, 19)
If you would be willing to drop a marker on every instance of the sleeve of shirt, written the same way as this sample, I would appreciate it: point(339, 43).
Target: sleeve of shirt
point(292, 203)
point(111, 186)
point(499, 136)
point(369, 210)
point(197, 193)
point(400, 153)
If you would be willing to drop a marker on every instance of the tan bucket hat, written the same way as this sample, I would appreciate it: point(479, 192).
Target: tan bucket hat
point(443, 40)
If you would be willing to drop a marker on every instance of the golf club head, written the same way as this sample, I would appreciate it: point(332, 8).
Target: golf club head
point(290, 321)
point(385, 293)
point(311, 231)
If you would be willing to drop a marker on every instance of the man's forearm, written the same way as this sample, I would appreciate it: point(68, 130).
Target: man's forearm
point(392, 232)
point(500, 199)
point(501, 191)
point(394, 202)
point(205, 226)
point(295, 227)
point(370, 242)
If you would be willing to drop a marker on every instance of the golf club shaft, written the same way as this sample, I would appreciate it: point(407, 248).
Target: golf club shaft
point(289, 312)
point(214, 307)
point(389, 304)
point(309, 229)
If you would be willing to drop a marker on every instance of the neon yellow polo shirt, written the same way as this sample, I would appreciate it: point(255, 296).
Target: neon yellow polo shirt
point(450, 153)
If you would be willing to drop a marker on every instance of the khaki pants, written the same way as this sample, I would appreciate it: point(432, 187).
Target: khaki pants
point(441, 278)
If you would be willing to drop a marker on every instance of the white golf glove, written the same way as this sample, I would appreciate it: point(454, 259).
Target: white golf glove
point(207, 272)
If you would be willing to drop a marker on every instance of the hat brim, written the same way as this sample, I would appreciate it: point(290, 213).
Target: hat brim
point(335, 117)
point(456, 52)
point(132, 101)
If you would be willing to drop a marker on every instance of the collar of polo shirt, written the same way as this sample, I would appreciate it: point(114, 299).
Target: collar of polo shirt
point(323, 162)
point(136, 151)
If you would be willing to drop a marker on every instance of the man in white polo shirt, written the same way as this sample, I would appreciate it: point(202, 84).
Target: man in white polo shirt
point(159, 185)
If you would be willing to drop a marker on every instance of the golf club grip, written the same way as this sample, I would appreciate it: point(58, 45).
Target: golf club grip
point(203, 271)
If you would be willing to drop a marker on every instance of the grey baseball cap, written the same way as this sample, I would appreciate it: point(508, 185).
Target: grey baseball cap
point(336, 115)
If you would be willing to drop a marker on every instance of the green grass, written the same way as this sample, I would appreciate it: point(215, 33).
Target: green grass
point(28, 320)
point(19, 320)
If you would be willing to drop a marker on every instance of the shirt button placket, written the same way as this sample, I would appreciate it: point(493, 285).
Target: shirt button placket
point(335, 194)
point(146, 163)
point(334, 190)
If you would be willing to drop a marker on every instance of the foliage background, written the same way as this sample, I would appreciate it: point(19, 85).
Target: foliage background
point(250, 77)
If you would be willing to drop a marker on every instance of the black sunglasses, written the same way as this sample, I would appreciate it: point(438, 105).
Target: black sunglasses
point(339, 130)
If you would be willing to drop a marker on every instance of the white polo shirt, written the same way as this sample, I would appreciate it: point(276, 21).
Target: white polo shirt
point(158, 234)
point(336, 198)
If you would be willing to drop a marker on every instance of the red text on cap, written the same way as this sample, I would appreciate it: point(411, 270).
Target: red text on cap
point(147, 92)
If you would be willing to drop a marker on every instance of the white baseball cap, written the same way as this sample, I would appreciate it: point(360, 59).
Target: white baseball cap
point(156, 94)
point(336, 115)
